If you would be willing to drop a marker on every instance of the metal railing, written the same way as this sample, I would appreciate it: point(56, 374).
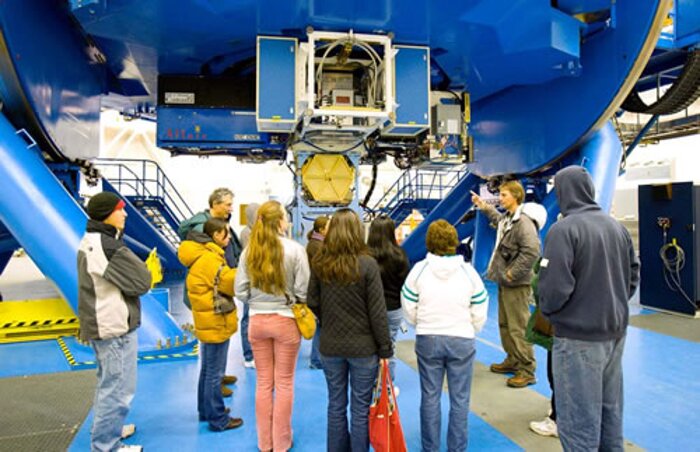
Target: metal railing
point(146, 180)
point(427, 182)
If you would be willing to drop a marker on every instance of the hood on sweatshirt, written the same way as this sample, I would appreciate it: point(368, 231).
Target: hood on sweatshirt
point(251, 212)
point(575, 190)
point(444, 266)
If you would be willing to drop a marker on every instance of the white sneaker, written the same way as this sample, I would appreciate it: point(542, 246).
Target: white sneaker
point(130, 448)
point(249, 364)
point(128, 430)
point(546, 427)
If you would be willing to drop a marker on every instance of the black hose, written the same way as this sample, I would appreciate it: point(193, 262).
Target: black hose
point(684, 91)
point(364, 203)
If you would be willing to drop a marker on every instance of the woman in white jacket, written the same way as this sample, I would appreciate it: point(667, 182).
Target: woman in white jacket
point(445, 298)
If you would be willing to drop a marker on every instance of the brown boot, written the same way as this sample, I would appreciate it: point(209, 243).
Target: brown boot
point(229, 380)
point(520, 380)
point(502, 368)
point(233, 422)
point(226, 392)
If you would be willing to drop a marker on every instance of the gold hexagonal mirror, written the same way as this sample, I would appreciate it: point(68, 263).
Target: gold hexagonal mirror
point(328, 178)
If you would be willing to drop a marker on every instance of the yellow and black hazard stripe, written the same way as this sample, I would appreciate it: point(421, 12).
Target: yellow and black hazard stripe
point(66, 352)
point(147, 358)
point(40, 323)
point(166, 356)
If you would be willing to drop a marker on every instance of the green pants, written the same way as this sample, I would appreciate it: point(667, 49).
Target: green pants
point(513, 314)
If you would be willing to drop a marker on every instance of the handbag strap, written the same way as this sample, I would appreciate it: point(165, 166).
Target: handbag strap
point(291, 302)
point(217, 280)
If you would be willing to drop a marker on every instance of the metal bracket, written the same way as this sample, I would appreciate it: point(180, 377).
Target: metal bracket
point(27, 137)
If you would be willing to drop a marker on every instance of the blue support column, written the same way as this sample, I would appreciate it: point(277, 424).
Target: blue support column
point(48, 223)
point(39, 212)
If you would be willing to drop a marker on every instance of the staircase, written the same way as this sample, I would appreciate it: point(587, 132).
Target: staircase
point(419, 188)
point(146, 186)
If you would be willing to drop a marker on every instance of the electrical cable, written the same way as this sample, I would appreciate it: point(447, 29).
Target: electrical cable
point(673, 264)
point(364, 203)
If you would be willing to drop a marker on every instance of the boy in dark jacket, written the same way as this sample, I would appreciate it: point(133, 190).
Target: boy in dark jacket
point(110, 280)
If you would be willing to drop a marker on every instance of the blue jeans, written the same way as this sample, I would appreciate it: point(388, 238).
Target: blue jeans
point(315, 359)
point(245, 342)
point(588, 384)
point(362, 374)
point(437, 356)
point(116, 386)
point(395, 319)
point(210, 402)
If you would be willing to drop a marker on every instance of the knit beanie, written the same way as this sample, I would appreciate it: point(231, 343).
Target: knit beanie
point(103, 204)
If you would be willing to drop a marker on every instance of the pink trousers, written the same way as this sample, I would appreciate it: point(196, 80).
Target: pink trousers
point(275, 341)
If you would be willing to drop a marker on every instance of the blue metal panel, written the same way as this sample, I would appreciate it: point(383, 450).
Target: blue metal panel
point(687, 19)
point(583, 6)
point(276, 81)
point(484, 240)
point(543, 121)
point(412, 78)
point(58, 82)
point(210, 128)
point(656, 289)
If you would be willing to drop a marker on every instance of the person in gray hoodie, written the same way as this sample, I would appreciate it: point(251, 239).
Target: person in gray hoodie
point(251, 214)
point(588, 273)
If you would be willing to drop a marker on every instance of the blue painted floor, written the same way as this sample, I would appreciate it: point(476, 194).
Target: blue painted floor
point(662, 395)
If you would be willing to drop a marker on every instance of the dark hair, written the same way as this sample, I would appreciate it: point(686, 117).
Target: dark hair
point(338, 260)
point(319, 225)
point(383, 247)
point(214, 225)
point(441, 238)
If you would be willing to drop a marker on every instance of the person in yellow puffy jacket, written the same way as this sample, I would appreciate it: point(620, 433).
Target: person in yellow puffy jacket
point(203, 255)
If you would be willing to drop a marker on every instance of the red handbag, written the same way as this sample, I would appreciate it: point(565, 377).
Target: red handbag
point(385, 432)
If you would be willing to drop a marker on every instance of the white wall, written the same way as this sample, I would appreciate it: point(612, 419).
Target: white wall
point(680, 155)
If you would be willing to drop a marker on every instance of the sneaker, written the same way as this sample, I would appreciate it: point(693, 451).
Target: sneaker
point(546, 427)
point(128, 430)
point(229, 380)
point(130, 448)
point(226, 391)
point(396, 392)
point(521, 380)
point(250, 364)
point(502, 368)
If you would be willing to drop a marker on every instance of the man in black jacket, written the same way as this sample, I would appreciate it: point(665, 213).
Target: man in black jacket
point(111, 278)
point(587, 276)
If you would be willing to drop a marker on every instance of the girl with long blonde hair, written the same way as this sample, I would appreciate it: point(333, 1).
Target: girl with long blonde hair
point(273, 271)
point(345, 293)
